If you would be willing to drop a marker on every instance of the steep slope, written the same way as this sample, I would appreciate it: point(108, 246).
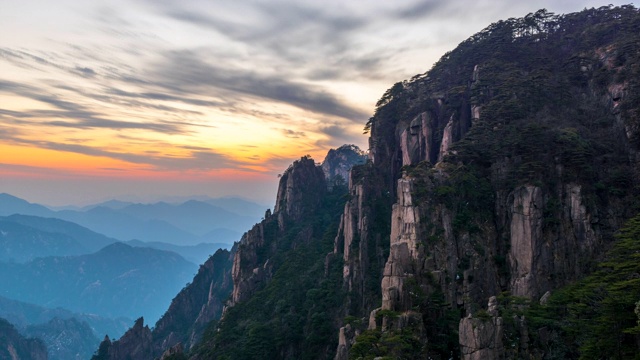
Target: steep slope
point(182, 325)
point(281, 260)
point(15, 346)
point(338, 163)
point(286, 291)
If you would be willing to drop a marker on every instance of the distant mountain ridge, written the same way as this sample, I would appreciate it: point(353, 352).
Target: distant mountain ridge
point(24, 237)
point(196, 254)
point(189, 223)
point(22, 315)
point(118, 280)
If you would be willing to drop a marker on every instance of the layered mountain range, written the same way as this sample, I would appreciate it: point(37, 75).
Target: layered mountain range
point(493, 219)
point(188, 223)
point(65, 284)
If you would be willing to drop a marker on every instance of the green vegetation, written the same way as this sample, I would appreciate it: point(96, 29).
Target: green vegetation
point(551, 114)
point(595, 318)
point(293, 316)
point(388, 345)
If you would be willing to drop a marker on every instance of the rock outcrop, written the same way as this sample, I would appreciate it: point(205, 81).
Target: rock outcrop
point(481, 338)
point(196, 305)
point(338, 163)
point(14, 346)
point(135, 344)
point(299, 191)
point(404, 249)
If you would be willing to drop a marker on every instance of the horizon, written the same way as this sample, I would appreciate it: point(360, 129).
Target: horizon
point(103, 99)
point(137, 200)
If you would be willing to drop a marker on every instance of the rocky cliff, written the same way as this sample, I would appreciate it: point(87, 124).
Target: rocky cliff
point(280, 262)
point(509, 180)
point(229, 279)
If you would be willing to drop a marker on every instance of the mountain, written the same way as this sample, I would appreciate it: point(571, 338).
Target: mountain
point(66, 335)
point(293, 226)
point(20, 243)
point(238, 206)
point(23, 238)
point(122, 226)
point(22, 315)
point(196, 254)
point(496, 217)
point(15, 346)
point(119, 280)
point(338, 162)
point(191, 311)
point(231, 204)
point(192, 222)
point(197, 217)
point(111, 204)
point(65, 339)
point(12, 205)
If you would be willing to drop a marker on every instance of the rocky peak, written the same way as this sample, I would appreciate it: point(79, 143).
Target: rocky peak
point(339, 162)
point(301, 188)
point(135, 344)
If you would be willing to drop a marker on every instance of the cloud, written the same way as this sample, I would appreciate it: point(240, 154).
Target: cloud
point(85, 71)
point(420, 9)
point(74, 115)
point(264, 23)
point(339, 134)
point(185, 71)
point(293, 134)
point(164, 97)
point(316, 41)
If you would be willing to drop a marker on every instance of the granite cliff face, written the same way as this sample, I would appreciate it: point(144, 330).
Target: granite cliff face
point(301, 189)
point(501, 189)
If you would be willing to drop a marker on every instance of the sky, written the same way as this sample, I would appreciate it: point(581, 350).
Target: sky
point(144, 99)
